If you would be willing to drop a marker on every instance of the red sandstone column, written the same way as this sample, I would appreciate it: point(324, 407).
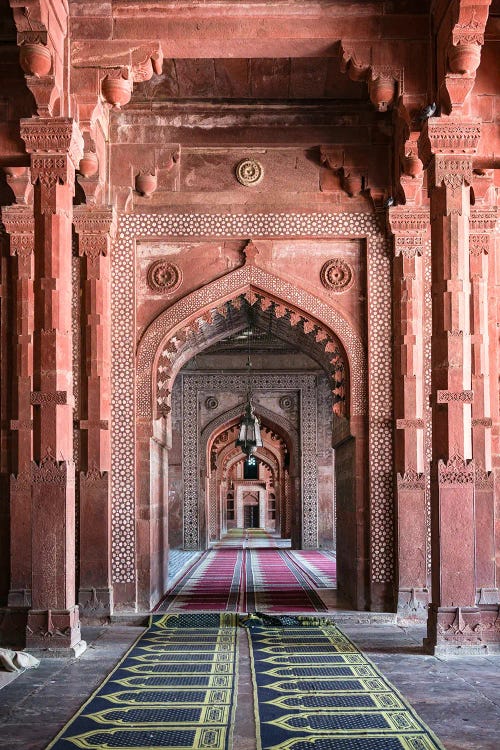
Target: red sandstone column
point(19, 223)
point(485, 403)
point(409, 225)
point(95, 227)
point(454, 620)
point(55, 147)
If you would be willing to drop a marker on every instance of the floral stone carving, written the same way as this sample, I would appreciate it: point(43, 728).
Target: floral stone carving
point(249, 172)
point(337, 275)
point(164, 277)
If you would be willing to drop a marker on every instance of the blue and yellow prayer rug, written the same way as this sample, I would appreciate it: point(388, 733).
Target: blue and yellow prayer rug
point(314, 690)
point(174, 689)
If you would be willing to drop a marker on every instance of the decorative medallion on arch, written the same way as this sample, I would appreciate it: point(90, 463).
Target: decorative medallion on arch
point(193, 386)
point(168, 333)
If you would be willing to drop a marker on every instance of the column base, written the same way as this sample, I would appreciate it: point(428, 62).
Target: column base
point(56, 652)
point(463, 631)
point(19, 598)
point(412, 604)
point(96, 603)
point(54, 631)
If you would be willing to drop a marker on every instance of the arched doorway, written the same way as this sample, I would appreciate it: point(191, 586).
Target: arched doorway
point(178, 388)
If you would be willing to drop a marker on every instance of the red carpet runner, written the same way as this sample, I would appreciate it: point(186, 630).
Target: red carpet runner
point(262, 580)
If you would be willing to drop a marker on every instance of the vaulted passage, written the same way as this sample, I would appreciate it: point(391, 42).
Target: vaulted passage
point(249, 272)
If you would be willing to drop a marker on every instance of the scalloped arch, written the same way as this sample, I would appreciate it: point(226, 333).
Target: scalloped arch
point(245, 280)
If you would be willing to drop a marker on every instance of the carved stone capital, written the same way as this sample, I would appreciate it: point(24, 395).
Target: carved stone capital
point(483, 219)
point(452, 171)
point(57, 136)
point(95, 227)
point(452, 135)
point(409, 227)
point(19, 223)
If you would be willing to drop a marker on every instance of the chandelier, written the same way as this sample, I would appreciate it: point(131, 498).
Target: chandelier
point(249, 438)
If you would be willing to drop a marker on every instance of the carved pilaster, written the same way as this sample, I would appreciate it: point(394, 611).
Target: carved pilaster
point(19, 224)
point(55, 147)
point(95, 228)
point(409, 226)
point(448, 146)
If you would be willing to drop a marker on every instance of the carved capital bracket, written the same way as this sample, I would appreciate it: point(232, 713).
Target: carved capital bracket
point(96, 227)
point(19, 181)
point(19, 223)
point(47, 139)
point(409, 225)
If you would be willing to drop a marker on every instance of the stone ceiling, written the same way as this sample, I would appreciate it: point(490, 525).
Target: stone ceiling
point(279, 79)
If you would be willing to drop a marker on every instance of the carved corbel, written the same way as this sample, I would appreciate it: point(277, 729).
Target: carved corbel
point(145, 62)
point(19, 181)
point(356, 68)
point(382, 87)
point(461, 52)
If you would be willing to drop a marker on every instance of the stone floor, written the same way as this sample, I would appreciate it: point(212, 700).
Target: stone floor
point(458, 698)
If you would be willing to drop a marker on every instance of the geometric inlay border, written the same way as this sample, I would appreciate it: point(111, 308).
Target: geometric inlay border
point(242, 226)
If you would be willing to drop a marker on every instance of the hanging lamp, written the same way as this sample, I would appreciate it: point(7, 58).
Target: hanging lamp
point(249, 437)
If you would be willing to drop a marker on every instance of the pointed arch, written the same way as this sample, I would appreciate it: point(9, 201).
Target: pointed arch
point(247, 280)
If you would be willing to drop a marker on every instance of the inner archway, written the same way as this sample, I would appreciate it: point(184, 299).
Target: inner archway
point(299, 384)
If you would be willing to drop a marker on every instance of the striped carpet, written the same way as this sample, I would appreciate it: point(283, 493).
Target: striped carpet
point(263, 580)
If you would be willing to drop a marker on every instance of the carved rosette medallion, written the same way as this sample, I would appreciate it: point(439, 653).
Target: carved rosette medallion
point(249, 172)
point(164, 277)
point(211, 403)
point(337, 275)
point(287, 403)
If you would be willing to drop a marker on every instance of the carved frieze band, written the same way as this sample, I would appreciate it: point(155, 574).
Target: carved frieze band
point(415, 424)
point(455, 471)
point(446, 397)
point(411, 480)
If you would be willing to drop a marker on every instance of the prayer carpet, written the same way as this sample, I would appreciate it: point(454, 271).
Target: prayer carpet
point(244, 581)
point(174, 690)
point(211, 585)
point(318, 565)
point(314, 690)
point(275, 584)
